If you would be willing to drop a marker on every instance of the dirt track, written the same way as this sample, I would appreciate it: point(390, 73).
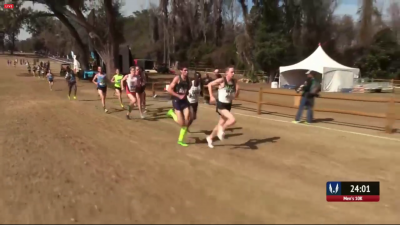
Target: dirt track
point(67, 161)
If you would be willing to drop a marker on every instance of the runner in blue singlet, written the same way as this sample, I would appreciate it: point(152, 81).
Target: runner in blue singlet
point(100, 80)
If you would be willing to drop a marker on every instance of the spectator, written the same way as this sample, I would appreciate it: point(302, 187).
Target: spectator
point(217, 74)
point(207, 79)
point(310, 90)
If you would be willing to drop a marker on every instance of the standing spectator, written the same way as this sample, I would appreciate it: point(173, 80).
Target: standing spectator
point(310, 89)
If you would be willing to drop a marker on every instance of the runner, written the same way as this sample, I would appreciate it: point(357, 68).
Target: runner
point(228, 89)
point(71, 81)
point(132, 83)
point(42, 72)
point(50, 78)
point(116, 79)
point(179, 89)
point(34, 70)
point(29, 68)
point(100, 80)
point(193, 97)
point(140, 89)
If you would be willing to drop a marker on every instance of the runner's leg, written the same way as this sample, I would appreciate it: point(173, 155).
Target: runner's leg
point(102, 97)
point(70, 85)
point(75, 89)
point(221, 122)
point(132, 101)
point(119, 95)
point(182, 119)
point(193, 113)
point(138, 98)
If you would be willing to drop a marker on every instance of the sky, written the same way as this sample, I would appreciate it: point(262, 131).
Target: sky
point(346, 7)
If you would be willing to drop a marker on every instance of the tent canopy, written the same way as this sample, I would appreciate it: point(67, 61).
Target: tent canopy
point(333, 75)
point(316, 62)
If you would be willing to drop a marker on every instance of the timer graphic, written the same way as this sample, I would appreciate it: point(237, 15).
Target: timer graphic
point(353, 191)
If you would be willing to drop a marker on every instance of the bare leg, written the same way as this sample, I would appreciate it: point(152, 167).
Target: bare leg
point(103, 99)
point(132, 101)
point(138, 98)
point(221, 122)
point(119, 95)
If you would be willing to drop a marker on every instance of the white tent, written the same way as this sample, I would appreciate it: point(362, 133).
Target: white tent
point(334, 76)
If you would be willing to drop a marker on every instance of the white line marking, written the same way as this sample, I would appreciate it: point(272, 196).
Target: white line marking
point(316, 126)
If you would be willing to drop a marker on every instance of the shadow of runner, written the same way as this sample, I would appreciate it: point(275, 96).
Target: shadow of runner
point(252, 143)
point(208, 132)
point(114, 110)
point(248, 145)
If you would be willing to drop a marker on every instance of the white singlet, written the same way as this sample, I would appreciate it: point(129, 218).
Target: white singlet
point(132, 82)
point(194, 93)
point(227, 93)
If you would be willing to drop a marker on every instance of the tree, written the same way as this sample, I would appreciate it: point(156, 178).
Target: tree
point(13, 21)
point(382, 59)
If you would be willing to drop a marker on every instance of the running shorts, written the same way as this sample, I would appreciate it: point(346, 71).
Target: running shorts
point(221, 106)
point(180, 104)
point(103, 89)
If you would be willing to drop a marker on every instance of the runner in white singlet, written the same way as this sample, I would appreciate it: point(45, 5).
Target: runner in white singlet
point(193, 97)
point(228, 89)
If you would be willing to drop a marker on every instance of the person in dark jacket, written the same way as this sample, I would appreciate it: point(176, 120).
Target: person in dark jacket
point(307, 98)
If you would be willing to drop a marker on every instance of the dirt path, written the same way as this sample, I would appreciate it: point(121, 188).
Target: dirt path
point(67, 161)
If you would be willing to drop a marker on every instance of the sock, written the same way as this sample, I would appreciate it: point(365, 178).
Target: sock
point(174, 116)
point(182, 133)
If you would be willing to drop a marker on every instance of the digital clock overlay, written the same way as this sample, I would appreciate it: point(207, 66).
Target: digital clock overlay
point(352, 191)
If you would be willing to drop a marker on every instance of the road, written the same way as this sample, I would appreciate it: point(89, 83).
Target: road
point(67, 161)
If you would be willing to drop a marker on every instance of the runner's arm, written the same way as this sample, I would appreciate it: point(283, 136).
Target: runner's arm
point(237, 90)
point(122, 81)
point(172, 86)
point(113, 80)
point(212, 84)
point(94, 79)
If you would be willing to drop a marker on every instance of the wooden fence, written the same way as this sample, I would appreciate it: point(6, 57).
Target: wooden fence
point(390, 116)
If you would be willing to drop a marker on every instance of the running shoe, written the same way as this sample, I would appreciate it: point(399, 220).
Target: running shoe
point(169, 113)
point(181, 143)
point(69, 98)
point(209, 142)
point(122, 106)
point(295, 121)
point(74, 97)
point(128, 117)
point(106, 110)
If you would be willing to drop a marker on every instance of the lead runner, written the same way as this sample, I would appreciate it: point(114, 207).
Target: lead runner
point(228, 89)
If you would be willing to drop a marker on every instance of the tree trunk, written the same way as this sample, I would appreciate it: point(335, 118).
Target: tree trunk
point(83, 56)
point(107, 54)
point(12, 43)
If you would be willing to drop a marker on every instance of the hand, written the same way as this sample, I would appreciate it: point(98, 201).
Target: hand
point(181, 97)
point(212, 99)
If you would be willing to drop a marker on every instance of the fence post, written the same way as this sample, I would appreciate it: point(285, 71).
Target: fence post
point(153, 88)
point(260, 100)
point(390, 115)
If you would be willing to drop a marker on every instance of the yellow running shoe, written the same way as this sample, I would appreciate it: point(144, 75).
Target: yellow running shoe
point(69, 98)
point(74, 97)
